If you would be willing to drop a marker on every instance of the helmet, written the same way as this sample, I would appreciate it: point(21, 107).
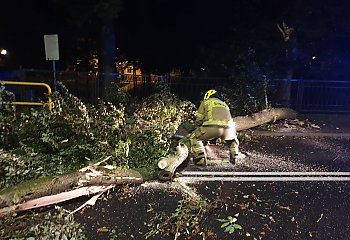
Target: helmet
point(209, 93)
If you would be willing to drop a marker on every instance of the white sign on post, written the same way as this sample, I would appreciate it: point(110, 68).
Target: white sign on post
point(51, 50)
point(51, 47)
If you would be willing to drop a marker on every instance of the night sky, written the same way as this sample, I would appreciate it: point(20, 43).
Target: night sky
point(180, 33)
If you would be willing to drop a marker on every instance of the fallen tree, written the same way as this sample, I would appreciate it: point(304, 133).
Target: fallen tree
point(265, 116)
point(96, 178)
point(45, 191)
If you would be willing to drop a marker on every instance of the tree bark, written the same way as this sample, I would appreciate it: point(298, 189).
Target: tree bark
point(89, 176)
point(265, 116)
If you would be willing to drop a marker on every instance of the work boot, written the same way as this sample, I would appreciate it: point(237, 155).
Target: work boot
point(232, 158)
point(235, 156)
point(200, 161)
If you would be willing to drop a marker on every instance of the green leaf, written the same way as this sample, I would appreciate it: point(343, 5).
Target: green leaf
point(228, 228)
point(232, 230)
point(237, 226)
point(225, 224)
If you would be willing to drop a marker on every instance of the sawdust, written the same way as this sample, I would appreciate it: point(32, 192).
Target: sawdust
point(266, 162)
point(164, 186)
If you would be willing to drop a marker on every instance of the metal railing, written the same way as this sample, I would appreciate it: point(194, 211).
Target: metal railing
point(30, 103)
point(308, 96)
point(320, 96)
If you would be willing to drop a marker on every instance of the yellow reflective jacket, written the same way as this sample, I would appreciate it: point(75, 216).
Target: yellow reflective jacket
point(213, 112)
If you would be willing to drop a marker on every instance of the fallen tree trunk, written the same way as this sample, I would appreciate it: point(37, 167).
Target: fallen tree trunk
point(87, 177)
point(20, 196)
point(54, 199)
point(265, 116)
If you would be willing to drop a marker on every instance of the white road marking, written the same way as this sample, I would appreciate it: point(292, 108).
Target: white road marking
point(225, 173)
point(205, 176)
point(194, 179)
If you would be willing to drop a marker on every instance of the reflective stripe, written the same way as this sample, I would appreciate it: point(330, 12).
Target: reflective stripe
point(197, 150)
point(221, 104)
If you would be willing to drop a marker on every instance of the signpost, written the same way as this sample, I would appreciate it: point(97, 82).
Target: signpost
point(52, 53)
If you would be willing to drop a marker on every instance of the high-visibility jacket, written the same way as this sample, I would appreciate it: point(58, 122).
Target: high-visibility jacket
point(213, 112)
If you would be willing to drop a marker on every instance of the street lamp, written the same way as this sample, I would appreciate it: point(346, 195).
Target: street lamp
point(3, 57)
point(3, 51)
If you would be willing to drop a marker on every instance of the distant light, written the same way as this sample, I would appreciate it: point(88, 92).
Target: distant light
point(203, 69)
point(3, 52)
point(313, 57)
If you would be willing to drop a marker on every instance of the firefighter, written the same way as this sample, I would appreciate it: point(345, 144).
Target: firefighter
point(213, 120)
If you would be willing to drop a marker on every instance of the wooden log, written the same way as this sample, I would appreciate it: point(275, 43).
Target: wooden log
point(54, 199)
point(169, 164)
point(89, 176)
point(262, 117)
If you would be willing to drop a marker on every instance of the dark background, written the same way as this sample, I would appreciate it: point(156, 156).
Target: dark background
point(166, 34)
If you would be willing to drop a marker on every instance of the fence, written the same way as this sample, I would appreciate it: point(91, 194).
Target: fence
point(321, 96)
point(308, 96)
point(25, 93)
point(86, 85)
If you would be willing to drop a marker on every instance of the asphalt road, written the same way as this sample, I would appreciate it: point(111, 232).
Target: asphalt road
point(271, 210)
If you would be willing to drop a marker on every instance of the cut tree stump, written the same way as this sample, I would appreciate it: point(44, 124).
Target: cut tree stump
point(169, 164)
